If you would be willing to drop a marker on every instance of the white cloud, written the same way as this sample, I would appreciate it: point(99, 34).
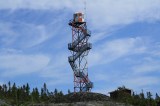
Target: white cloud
point(116, 49)
point(155, 50)
point(8, 36)
point(108, 12)
point(62, 80)
point(140, 81)
point(98, 36)
point(1, 82)
point(13, 65)
point(5, 29)
point(41, 4)
point(156, 53)
point(38, 38)
point(9, 51)
point(147, 66)
point(23, 35)
point(101, 13)
point(30, 35)
point(101, 77)
point(56, 67)
point(58, 71)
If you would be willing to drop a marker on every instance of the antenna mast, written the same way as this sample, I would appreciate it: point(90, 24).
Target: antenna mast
point(85, 10)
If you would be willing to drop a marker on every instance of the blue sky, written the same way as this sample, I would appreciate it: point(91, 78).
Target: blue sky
point(125, 37)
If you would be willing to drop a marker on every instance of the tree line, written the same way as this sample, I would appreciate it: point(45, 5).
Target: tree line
point(24, 95)
point(18, 95)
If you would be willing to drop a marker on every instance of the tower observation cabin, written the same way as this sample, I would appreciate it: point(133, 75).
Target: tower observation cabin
point(78, 17)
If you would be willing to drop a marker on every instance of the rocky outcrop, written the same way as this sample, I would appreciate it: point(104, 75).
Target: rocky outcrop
point(86, 96)
point(95, 103)
point(85, 99)
point(3, 103)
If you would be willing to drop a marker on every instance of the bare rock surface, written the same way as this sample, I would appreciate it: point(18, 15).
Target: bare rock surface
point(86, 96)
point(3, 103)
point(95, 103)
point(85, 99)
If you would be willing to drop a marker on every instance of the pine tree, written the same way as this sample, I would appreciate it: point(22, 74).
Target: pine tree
point(149, 98)
point(9, 89)
point(55, 91)
point(5, 90)
point(157, 97)
point(45, 88)
point(69, 91)
point(27, 90)
point(14, 94)
point(36, 95)
point(1, 92)
point(44, 94)
point(142, 95)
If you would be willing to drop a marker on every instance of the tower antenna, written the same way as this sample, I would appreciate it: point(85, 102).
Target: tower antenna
point(85, 10)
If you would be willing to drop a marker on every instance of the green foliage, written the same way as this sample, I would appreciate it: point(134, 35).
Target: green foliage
point(69, 91)
point(70, 104)
point(23, 96)
point(44, 93)
point(57, 97)
point(85, 97)
point(138, 99)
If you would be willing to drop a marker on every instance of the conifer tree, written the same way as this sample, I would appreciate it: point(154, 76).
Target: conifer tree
point(69, 91)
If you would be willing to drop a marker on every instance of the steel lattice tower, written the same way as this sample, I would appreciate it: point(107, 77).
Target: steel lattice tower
point(80, 49)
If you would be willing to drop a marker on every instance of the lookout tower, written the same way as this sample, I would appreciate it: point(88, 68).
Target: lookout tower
point(79, 49)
